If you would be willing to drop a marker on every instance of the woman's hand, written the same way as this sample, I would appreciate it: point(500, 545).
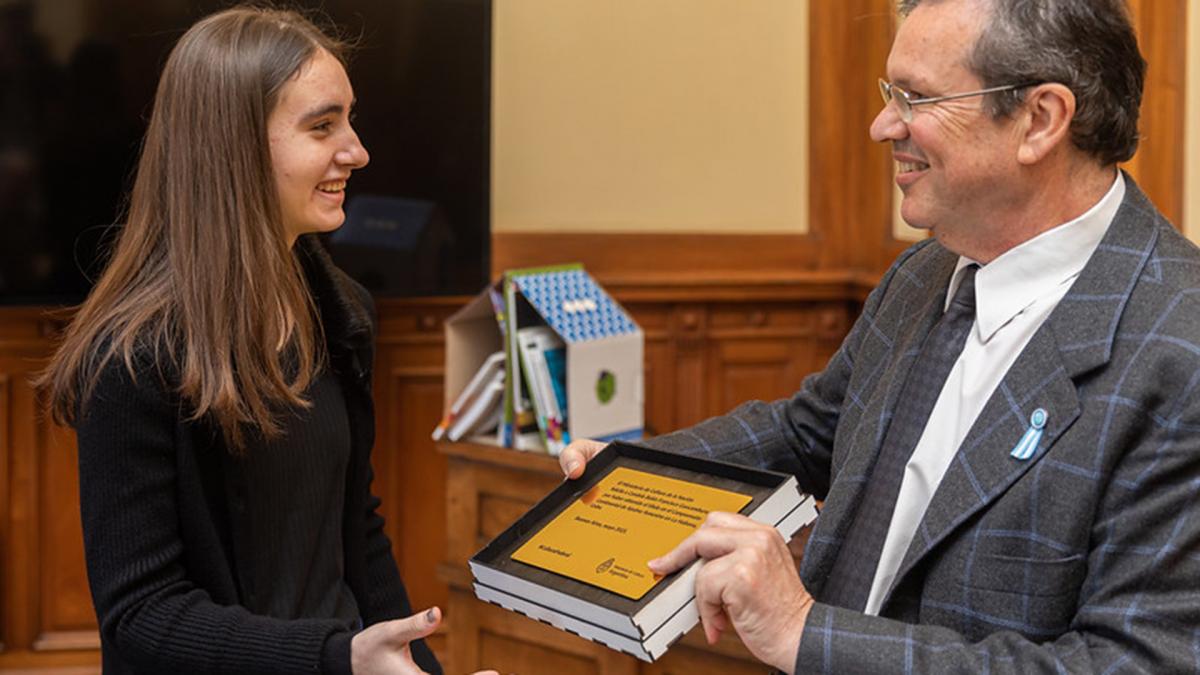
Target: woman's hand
point(383, 647)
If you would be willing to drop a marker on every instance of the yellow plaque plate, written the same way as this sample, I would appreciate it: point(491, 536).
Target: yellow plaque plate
point(630, 517)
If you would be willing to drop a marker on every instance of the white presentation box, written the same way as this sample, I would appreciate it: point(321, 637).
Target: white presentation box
point(645, 628)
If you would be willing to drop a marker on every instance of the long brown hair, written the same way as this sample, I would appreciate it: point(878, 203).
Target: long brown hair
point(202, 279)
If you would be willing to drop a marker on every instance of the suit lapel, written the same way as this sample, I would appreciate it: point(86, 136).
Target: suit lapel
point(983, 468)
point(1077, 337)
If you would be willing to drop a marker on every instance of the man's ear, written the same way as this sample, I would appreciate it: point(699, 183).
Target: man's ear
point(1047, 114)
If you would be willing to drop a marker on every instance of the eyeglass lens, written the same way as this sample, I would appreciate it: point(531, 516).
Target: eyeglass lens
point(890, 93)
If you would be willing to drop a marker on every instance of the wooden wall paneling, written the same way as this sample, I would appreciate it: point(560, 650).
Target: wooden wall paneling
point(462, 506)
point(67, 619)
point(23, 578)
point(767, 369)
point(753, 369)
point(643, 259)
point(504, 496)
point(684, 659)
point(1158, 165)
point(688, 325)
point(850, 176)
point(418, 506)
point(462, 645)
point(414, 397)
point(409, 473)
point(659, 355)
point(7, 547)
point(762, 352)
point(515, 644)
point(47, 615)
point(513, 655)
point(386, 483)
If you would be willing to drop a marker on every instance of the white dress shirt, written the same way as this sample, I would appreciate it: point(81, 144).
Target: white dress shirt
point(1013, 296)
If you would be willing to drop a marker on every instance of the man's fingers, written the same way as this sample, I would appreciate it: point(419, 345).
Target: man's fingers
point(575, 456)
point(747, 582)
point(709, 591)
point(707, 542)
point(712, 617)
point(721, 534)
point(731, 521)
point(708, 602)
point(414, 627)
point(714, 620)
point(676, 558)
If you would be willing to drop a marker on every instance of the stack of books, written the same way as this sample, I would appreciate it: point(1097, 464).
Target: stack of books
point(478, 408)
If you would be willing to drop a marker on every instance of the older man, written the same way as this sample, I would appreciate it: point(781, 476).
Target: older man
point(1008, 441)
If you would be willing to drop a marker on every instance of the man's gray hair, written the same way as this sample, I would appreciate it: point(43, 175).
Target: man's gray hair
point(1088, 45)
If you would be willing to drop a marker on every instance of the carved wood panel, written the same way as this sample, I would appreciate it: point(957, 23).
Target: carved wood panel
point(760, 351)
point(21, 564)
point(1158, 164)
point(750, 369)
point(684, 659)
point(6, 545)
point(67, 621)
point(688, 322)
point(46, 616)
point(415, 500)
point(409, 474)
point(659, 390)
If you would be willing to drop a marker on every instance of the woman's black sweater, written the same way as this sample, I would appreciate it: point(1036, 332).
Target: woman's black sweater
point(157, 511)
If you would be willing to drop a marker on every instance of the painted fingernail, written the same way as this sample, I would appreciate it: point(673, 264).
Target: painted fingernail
point(431, 615)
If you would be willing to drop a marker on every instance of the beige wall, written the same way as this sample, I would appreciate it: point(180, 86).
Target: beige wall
point(650, 116)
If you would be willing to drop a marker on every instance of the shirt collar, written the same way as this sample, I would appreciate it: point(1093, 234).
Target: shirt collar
point(1016, 279)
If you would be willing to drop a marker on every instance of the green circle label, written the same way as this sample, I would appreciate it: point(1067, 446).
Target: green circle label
point(606, 386)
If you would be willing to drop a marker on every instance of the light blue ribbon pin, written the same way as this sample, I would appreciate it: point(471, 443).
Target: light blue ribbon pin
point(1029, 442)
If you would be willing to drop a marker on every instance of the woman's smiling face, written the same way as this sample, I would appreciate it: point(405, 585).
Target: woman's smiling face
point(313, 147)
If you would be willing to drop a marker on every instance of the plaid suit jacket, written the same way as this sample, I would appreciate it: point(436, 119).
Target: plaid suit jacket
point(1083, 558)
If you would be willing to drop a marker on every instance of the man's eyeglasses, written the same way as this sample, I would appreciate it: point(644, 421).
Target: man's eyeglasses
point(905, 102)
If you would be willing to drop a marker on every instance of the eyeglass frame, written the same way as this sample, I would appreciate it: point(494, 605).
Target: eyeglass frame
point(905, 105)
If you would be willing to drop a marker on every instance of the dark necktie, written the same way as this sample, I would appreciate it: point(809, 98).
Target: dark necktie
point(849, 582)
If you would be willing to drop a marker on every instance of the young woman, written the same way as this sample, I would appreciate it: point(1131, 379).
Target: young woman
point(219, 376)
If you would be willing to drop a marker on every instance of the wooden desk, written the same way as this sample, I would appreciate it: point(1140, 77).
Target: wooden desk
point(487, 489)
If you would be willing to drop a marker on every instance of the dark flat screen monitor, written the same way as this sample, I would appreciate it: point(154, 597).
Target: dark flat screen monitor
point(77, 79)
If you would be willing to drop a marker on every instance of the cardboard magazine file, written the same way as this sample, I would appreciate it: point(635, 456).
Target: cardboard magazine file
point(472, 335)
point(648, 626)
point(604, 348)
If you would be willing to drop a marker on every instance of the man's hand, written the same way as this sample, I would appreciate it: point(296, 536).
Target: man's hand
point(575, 456)
point(383, 647)
point(749, 580)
